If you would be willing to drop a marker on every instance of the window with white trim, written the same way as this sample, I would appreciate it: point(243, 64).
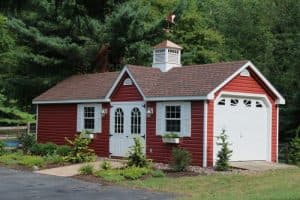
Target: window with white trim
point(173, 118)
point(89, 117)
point(135, 121)
point(119, 121)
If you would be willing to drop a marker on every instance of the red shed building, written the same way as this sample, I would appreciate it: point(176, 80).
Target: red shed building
point(196, 102)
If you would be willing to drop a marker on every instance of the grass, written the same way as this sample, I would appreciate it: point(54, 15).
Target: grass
point(275, 185)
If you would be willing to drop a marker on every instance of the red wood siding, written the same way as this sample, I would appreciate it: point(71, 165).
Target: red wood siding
point(57, 121)
point(244, 84)
point(161, 152)
point(210, 135)
point(126, 92)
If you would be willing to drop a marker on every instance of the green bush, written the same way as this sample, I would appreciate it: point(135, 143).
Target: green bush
point(43, 149)
point(294, 151)
point(105, 165)
point(27, 141)
point(136, 156)
point(133, 173)
point(86, 170)
point(54, 159)
point(180, 160)
point(2, 147)
point(224, 154)
point(80, 151)
point(21, 159)
point(157, 173)
point(113, 175)
point(63, 150)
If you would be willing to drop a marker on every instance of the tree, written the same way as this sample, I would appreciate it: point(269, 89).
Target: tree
point(224, 153)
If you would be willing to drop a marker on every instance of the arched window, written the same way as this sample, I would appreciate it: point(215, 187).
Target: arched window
point(119, 121)
point(135, 121)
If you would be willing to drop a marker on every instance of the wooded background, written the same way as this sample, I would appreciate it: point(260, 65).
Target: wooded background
point(44, 41)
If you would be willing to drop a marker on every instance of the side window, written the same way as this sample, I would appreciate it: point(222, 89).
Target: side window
point(173, 118)
point(135, 121)
point(258, 104)
point(119, 120)
point(89, 118)
point(247, 102)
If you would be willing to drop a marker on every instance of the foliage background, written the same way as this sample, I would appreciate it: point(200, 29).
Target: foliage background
point(44, 41)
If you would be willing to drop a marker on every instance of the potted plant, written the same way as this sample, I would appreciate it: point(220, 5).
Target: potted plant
point(88, 134)
point(172, 138)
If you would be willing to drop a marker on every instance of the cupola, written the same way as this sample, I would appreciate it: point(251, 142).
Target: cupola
point(166, 55)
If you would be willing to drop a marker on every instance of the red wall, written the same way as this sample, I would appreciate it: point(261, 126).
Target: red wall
point(126, 92)
point(244, 84)
point(162, 152)
point(57, 121)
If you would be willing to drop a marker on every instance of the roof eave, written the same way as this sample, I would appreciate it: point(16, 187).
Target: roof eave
point(69, 101)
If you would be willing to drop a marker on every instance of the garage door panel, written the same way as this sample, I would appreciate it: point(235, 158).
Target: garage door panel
point(246, 127)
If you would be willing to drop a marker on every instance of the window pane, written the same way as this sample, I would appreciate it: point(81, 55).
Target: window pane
point(89, 123)
point(119, 121)
point(173, 125)
point(135, 121)
point(89, 112)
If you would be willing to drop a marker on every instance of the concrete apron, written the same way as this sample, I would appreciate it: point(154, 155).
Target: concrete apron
point(259, 165)
point(72, 170)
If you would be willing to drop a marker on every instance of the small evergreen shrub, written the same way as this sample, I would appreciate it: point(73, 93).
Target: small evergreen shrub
point(27, 140)
point(86, 170)
point(294, 151)
point(105, 165)
point(224, 154)
point(133, 173)
point(180, 160)
point(80, 151)
point(158, 173)
point(63, 150)
point(2, 148)
point(136, 156)
point(43, 149)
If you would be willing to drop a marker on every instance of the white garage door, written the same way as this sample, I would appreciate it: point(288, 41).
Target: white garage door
point(245, 121)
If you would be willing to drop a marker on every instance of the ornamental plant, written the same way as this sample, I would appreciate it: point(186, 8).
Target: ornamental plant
point(224, 154)
point(2, 148)
point(294, 151)
point(80, 151)
point(180, 160)
point(171, 135)
point(27, 140)
point(136, 156)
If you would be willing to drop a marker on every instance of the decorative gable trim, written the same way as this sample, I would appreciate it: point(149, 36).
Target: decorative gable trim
point(280, 99)
point(112, 89)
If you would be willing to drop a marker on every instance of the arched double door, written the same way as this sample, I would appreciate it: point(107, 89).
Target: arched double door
point(127, 121)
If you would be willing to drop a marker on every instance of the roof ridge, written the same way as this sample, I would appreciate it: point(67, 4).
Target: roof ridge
point(218, 63)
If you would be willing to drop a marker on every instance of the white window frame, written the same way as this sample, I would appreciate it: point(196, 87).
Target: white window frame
point(170, 118)
point(185, 118)
point(97, 118)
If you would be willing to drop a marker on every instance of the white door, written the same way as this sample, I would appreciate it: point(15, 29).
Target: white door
point(245, 121)
point(127, 121)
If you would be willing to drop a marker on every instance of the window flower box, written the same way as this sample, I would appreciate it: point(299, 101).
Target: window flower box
point(171, 138)
point(88, 134)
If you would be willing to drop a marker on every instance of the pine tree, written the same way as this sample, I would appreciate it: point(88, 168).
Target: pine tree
point(224, 153)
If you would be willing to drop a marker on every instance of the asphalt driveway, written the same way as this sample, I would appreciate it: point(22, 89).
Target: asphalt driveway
point(17, 185)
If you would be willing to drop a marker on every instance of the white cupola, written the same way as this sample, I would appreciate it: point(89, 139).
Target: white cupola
point(166, 55)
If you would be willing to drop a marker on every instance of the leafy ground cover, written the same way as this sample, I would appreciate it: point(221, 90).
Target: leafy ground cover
point(275, 185)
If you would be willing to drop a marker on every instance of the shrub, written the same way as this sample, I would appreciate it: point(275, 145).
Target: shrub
point(105, 165)
point(43, 149)
point(27, 140)
point(86, 170)
point(180, 160)
point(80, 151)
point(224, 154)
point(30, 161)
point(2, 148)
point(158, 173)
point(294, 151)
point(54, 159)
point(136, 156)
point(113, 175)
point(63, 150)
point(133, 173)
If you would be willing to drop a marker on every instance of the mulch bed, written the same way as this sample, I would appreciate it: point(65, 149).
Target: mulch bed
point(170, 173)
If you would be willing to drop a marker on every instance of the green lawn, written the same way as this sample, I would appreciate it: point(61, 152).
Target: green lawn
point(275, 185)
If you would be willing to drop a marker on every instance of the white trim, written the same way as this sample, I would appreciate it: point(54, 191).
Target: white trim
point(177, 98)
point(252, 95)
point(115, 103)
point(205, 134)
point(71, 101)
point(280, 99)
point(97, 118)
point(277, 133)
point(125, 69)
point(36, 121)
